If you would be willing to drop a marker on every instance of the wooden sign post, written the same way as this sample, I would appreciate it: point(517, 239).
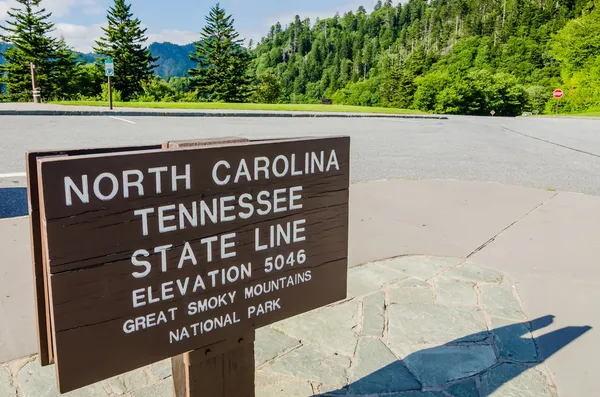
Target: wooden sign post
point(142, 254)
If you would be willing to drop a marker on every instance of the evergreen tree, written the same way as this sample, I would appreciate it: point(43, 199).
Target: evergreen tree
point(65, 71)
point(29, 31)
point(124, 42)
point(222, 71)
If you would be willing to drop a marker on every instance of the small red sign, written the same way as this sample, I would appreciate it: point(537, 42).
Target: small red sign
point(558, 94)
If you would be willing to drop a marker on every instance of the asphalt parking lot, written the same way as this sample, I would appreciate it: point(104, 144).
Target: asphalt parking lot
point(547, 153)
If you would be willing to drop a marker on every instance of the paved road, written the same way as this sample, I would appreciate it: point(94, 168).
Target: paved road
point(561, 154)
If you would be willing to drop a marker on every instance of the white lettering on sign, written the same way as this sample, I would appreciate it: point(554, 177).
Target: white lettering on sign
point(207, 304)
point(278, 235)
point(180, 216)
point(203, 327)
point(186, 254)
point(276, 285)
point(282, 166)
point(149, 321)
point(107, 186)
point(264, 308)
point(170, 290)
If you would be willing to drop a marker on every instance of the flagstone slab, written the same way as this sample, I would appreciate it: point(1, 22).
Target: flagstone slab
point(515, 380)
point(467, 388)
point(162, 370)
point(163, 388)
point(451, 292)
point(370, 278)
point(129, 382)
point(312, 363)
point(440, 365)
point(332, 328)
point(37, 381)
point(499, 301)
point(418, 394)
point(6, 386)
point(472, 272)
point(421, 267)
point(270, 344)
point(374, 315)
point(375, 369)
point(514, 341)
point(415, 292)
point(276, 386)
point(414, 324)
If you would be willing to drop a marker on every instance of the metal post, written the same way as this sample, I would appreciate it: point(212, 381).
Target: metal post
point(36, 92)
point(110, 102)
point(556, 105)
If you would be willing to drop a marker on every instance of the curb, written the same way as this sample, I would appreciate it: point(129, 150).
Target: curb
point(134, 113)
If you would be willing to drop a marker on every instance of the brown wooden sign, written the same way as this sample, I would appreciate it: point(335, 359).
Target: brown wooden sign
point(153, 253)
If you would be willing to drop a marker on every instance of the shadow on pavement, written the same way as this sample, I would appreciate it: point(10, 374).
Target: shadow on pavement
point(513, 344)
point(13, 202)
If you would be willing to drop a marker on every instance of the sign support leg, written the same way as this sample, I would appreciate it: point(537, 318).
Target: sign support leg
point(110, 103)
point(223, 370)
point(556, 105)
point(36, 92)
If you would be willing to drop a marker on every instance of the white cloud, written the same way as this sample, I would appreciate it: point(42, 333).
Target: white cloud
point(61, 8)
point(58, 8)
point(173, 36)
point(4, 7)
point(95, 10)
point(288, 18)
point(81, 38)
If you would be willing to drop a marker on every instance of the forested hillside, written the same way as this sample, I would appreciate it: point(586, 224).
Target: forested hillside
point(446, 56)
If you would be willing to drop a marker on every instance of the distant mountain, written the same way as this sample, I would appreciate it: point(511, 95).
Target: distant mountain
point(174, 59)
point(87, 58)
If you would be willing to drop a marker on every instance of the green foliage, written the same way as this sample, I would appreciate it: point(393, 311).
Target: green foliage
point(116, 94)
point(29, 32)
point(577, 48)
point(361, 93)
point(156, 90)
point(538, 97)
point(450, 56)
point(180, 84)
point(476, 93)
point(123, 42)
point(578, 42)
point(268, 89)
point(222, 62)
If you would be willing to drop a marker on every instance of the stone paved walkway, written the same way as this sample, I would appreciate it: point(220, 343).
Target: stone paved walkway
point(414, 327)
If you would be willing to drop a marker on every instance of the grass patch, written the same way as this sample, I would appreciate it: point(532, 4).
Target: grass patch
point(588, 113)
point(245, 106)
point(550, 189)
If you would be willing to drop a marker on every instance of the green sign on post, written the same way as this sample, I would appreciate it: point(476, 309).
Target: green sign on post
point(109, 67)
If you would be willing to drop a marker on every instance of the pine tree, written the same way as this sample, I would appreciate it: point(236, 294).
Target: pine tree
point(65, 70)
point(123, 42)
point(29, 33)
point(223, 62)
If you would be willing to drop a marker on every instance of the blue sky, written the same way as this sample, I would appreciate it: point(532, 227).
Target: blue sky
point(180, 21)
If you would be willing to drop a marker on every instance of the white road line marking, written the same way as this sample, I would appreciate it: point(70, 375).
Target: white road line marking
point(125, 120)
point(14, 175)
